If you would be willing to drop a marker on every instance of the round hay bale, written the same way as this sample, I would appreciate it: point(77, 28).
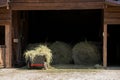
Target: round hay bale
point(62, 53)
point(85, 53)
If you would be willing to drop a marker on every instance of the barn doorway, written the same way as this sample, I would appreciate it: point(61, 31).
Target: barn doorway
point(113, 45)
point(70, 26)
point(2, 46)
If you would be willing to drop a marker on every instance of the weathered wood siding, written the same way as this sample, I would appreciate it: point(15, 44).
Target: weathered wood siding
point(4, 15)
point(5, 20)
point(19, 32)
point(2, 55)
point(112, 15)
point(56, 0)
point(56, 4)
point(3, 3)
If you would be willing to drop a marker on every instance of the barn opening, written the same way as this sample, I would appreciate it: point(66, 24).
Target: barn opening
point(70, 26)
point(113, 45)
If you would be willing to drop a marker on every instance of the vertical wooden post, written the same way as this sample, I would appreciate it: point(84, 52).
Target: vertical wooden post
point(8, 44)
point(105, 46)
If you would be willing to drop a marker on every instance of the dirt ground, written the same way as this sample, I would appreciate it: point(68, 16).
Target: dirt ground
point(60, 74)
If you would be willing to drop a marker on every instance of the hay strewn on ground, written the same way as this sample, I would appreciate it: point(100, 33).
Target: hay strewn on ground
point(85, 53)
point(39, 50)
point(62, 53)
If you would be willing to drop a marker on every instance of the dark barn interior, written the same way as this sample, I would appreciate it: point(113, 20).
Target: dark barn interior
point(70, 26)
point(113, 45)
point(2, 35)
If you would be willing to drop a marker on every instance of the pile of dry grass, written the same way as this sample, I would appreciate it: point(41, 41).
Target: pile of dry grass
point(85, 53)
point(39, 50)
point(62, 53)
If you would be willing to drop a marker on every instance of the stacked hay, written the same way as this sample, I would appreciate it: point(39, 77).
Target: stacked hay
point(62, 53)
point(85, 53)
point(37, 51)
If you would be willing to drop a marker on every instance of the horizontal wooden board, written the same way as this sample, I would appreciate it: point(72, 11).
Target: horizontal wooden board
point(46, 1)
point(57, 6)
point(3, 3)
point(4, 14)
point(112, 15)
point(4, 22)
point(111, 21)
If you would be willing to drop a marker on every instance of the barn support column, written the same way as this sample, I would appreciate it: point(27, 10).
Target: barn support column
point(105, 46)
point(8, 55)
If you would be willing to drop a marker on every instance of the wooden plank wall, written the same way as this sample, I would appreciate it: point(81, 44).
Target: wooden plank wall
point(2, 55)
point(4, 15)
point(5, 20)
point(47, 1)
point(112, 15)
point(56, 4)
point(19, 32)
point(3, 3)
point(15, 34)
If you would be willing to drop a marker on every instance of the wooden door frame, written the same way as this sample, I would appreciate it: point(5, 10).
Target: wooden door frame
point(8, 44)
point(105, 40)
point(105, 45)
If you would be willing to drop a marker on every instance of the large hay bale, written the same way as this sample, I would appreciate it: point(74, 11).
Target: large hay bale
point(62, 53)
point(37, 51)
point(85, 53)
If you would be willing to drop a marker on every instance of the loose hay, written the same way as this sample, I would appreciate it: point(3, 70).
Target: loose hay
point(37, 51)
point(62, 53)
point(85, 53)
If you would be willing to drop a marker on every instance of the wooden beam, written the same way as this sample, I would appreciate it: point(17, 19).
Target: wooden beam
point(8, 43)
point(49, 1)
point(3, 22)
point(112, 15)
point(105, 46)
point(112, 20)
point(57, 6)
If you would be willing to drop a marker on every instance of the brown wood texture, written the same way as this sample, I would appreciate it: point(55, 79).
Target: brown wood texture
point(3, 3)
point(112, 15)
point(8, 43)
point(2, 56)
point(47, 1)
point(15, 34)
point(57, 6)
point(4, 13)
point(105, 46)
point(5, 20)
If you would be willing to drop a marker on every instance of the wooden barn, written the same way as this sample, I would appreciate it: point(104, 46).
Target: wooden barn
point(33, 21)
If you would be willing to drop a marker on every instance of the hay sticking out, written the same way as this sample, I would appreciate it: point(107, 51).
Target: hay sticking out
point(46, 51)
point(85, 53)
point(39, 50)
point(62, 53)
